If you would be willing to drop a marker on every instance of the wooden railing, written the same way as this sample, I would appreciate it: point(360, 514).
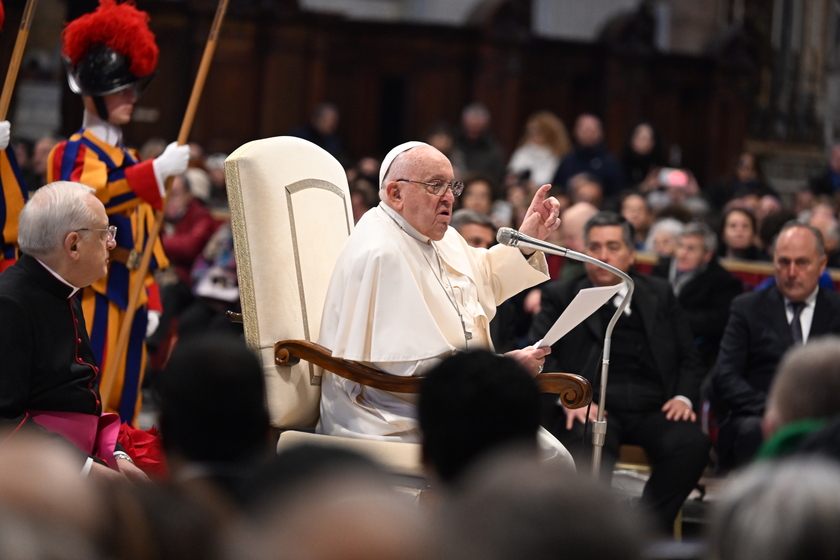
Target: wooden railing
point(751, 273)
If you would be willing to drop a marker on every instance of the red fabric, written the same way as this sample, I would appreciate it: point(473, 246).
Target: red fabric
point(2, 15)
point(145, 449)
point(153, 301)
point(6, 263)
point(122, 27)
point(143, 182)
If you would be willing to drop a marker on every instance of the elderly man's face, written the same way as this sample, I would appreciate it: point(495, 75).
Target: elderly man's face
point(691, 253)
point(606, 243)
point(797, 263)
point(427, 213)
point(94, 247)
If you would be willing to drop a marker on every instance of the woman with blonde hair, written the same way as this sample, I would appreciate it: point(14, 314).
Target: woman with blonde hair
point(543, 145)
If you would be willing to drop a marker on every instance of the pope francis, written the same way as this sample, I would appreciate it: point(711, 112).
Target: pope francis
point(407, 291)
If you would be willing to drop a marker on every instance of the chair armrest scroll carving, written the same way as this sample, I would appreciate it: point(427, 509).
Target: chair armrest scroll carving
point(575, 391)
point(290, 352)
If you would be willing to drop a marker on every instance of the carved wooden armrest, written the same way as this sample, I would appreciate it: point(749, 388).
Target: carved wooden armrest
point(290, 352)
point(574, 390)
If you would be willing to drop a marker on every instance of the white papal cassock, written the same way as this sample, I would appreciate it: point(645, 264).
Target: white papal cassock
point(396, 300)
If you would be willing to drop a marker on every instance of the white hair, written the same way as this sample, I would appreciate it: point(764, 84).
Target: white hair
point(784, 510)
point(668, 225)
point(53, 211)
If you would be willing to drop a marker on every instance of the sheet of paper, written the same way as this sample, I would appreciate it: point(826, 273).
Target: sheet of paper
point(585, 304)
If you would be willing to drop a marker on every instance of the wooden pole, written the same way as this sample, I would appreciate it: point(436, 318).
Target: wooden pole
point(17, 56)
point(115, 355)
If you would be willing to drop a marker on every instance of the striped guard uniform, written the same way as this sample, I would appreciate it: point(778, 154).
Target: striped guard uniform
point(130, 193)
point(11, 203)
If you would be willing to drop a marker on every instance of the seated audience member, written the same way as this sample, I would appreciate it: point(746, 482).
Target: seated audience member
point(363, 197)
point(541, 148)
point(511, 507)
point(769, 228)
point(47, 511)
point(762, 325)
point(440, 136)
point(738, 239)
point(779, 510)
point(572, 222)
point(476, 228)
point(746, 180)
point(298, 466)
point(188, 226)
point(584, 187)
point(804, 396)
point(655, 372)
point(216, 287)
point(472, 404)
point(662, 237)
point(643, 154)
point(828, 182)
point(636, 210)
point(50, 378)
point(165, 521)
point(213, 419)
point(38, 163)
point(152, 148)
point(803, 201)
point(349, 515)
point(407, 291)
point(477, 194)
point(590, 155)
point(215, 165)
point(828, 224)
point(477, 145)
point(478, 231)
point(321, 130)
point(704, 289)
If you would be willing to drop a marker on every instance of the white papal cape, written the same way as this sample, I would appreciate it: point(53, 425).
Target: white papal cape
point(387, 305)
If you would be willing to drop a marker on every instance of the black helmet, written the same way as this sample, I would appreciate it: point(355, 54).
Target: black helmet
point(101, 71)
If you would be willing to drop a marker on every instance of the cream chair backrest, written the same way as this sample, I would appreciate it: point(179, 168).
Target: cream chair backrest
point(290, 215)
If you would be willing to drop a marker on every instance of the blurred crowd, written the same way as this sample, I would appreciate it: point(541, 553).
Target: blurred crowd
point(224, 493)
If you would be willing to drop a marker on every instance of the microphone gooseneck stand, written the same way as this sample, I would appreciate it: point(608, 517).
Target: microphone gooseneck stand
point(513, 238)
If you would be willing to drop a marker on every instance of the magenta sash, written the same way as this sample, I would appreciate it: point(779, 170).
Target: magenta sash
point(93, 435)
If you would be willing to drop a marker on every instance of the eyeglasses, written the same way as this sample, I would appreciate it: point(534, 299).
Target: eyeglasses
point(112, 232)
point(438, 188)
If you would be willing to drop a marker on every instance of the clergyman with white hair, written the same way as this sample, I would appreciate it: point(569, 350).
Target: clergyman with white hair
point(50, 379)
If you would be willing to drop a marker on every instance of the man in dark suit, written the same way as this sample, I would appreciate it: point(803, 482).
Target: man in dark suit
point(590, 155)
point(704, 289)
point(761, 328)
point(655, 372)
point(49, 379)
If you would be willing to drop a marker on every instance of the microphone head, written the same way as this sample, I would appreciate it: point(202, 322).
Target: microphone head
point(508, 236)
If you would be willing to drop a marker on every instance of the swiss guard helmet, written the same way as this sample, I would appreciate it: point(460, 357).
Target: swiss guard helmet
point(109, 50)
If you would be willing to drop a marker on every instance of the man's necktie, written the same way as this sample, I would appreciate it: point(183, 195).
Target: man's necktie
point(796, 324)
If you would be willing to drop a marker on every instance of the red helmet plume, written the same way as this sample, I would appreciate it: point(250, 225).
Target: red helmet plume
point(109, 48)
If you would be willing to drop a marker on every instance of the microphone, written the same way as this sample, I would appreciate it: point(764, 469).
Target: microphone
point(513, 238)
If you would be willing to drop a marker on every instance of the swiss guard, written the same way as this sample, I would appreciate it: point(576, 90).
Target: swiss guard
point(111, 56)
point(13, 189)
